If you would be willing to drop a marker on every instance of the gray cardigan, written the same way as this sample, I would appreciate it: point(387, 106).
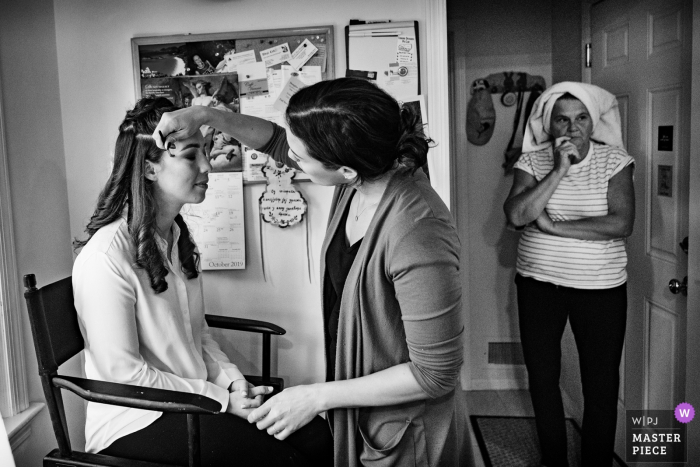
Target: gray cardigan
point(401, 304)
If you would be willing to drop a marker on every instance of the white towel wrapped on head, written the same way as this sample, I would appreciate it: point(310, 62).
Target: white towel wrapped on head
point(601, 105)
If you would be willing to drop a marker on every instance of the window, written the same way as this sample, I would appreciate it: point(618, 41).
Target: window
point(13, 384)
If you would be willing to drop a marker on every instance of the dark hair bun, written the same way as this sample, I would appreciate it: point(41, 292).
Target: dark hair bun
point(413, 144)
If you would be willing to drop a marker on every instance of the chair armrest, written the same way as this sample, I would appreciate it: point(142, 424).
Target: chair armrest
point(241, 324)
point(137, 397)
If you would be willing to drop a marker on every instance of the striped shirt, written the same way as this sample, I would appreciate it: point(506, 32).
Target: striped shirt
point(583, 192)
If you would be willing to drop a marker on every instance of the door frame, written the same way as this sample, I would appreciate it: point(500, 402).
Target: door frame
point(442, 162)
point(438, 102)
point(692, 375)
point(692, 369)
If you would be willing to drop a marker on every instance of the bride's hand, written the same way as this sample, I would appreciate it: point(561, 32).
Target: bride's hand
point(244, 397)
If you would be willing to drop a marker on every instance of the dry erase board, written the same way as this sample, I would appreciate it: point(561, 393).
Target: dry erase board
point(386, 53)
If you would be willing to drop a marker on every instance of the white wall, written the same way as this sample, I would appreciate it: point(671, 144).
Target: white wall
point(34, 137)
point(491, 37)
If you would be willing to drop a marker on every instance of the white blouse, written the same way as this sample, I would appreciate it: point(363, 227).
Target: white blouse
point(135, 336)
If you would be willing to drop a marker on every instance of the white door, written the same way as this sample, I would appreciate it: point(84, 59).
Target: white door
point(641, 53)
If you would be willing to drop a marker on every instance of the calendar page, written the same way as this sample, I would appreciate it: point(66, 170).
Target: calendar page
point(217, 224)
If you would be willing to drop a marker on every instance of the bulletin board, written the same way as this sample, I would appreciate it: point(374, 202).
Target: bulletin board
point(386, 53)
point(170, 59)
point(248, 72)
point(203, 69)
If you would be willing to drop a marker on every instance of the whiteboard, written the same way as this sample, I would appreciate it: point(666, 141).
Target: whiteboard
point(388, 53)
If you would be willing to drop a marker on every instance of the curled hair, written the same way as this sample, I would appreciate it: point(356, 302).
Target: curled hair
point(129, 192)
point(351, 122)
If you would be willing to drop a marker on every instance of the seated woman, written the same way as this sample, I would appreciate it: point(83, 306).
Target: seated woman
point(138, 293)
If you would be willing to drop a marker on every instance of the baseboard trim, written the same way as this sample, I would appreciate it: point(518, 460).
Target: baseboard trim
point(18, 427)
point(496, 384)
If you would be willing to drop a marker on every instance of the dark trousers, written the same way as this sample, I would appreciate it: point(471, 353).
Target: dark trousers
point(598, 320)
point(227, 440)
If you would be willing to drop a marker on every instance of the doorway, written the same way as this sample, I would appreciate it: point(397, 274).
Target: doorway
point(484, 38)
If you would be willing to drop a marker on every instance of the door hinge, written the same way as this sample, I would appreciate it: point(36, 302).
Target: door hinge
point(588, 55)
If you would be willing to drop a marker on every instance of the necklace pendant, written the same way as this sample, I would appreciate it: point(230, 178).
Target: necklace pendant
point(356, 217)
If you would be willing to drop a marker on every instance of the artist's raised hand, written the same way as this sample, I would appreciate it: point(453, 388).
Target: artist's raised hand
point(179, 124)
point(285, 413)
point(252, 131)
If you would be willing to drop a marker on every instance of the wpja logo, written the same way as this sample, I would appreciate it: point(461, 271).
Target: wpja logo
point(658, 435)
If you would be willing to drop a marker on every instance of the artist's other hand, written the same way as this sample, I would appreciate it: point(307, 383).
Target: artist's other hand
point(244, 397)
point(179, 124)
point(545, 223)
point(285, 413)
point(565, 154)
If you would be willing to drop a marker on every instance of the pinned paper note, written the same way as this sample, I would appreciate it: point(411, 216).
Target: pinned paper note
point(253, 163)
point(217, 225)
point(319, 59)
point(302, 54)
point(252, 78)
point(275, 55)
point(400, 79)
point(310, 75)
point(307, 76)
point(232, 61)
point(405, 49)
point(291, 88)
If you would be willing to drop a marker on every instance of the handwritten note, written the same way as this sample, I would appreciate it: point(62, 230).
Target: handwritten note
point(281, 204)
point(406, 49)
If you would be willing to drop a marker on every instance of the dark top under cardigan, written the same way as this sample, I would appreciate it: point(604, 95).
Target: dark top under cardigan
point(339, 258)
point(401, 304)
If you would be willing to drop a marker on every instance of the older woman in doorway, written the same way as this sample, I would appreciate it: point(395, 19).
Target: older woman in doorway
point(390, 276)
point(573, 194)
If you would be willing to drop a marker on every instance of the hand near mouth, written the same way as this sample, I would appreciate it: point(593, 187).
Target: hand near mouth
point(565, 153)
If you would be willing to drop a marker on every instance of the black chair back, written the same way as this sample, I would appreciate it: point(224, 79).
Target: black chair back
point(57, 338)
point(54, 322)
